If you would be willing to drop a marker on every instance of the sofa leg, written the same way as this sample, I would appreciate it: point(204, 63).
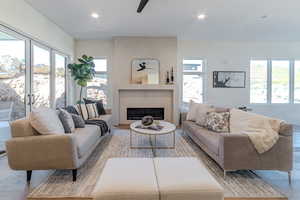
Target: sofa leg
point(28, 173)
point(74, 173)
point(224, 175)
point(290, 177)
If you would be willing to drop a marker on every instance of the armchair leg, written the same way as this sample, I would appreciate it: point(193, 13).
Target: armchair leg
point(290, 177)
point(224, 175)
point(74, 173)
point(28, 173)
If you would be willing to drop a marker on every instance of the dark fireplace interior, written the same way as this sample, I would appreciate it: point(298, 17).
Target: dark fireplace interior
point(139, 113)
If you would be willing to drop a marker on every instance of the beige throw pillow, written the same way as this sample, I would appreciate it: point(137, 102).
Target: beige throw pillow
point(192, 113)
point(46, 121)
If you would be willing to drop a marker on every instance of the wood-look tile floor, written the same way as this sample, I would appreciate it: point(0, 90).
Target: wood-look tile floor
point(14, 187)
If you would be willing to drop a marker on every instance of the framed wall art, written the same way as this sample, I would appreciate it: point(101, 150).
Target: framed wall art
point(145, 71)
point(229, 79)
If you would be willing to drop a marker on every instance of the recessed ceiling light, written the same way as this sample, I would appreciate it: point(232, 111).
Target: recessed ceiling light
point(202, 16)
point(95, 15)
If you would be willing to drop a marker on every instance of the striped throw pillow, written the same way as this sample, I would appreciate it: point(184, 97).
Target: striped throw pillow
point(83, 111)
point(92, 110)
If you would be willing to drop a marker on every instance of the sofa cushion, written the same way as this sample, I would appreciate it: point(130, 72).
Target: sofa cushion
point(217, 122)
point(78, 121)
point(66, 120)
point(86, 138)
point(46, 121)
point(209, 138)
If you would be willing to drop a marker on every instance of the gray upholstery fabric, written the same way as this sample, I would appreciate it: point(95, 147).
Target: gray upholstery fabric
point(66, 120)
point(78, 121)
point(234, 151)
point(86, 138)
point(28, 150)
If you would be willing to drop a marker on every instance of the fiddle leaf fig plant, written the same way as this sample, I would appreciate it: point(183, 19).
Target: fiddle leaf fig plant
point(82, 72)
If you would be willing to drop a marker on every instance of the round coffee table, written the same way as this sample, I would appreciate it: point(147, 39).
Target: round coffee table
point(168, 128)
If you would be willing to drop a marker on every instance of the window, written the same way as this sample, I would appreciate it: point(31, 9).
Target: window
point(297, 82)
point(274, 81)
point(97, 88)
point(60, 81)
point(280, 81)
point(258, 82)
point(192, 88)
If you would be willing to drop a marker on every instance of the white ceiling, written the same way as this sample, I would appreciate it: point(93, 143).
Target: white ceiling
point(227, 19)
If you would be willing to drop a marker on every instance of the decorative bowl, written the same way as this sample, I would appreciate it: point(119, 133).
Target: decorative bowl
point(147, 121)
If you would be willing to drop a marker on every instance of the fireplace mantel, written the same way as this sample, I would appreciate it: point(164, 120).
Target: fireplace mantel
point(146, 96)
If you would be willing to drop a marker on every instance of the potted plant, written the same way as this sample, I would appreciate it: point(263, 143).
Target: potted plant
point(82, 72)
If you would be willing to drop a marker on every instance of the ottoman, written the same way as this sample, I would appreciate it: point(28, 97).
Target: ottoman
point(128, 179)
point(180, 178)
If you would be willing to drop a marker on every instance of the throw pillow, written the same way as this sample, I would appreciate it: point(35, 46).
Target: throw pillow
point(99, 104)
point(67, 121)
point(78, 121)
point(72, 109)
point(46, 121)
point(92, 110)
point(218, 122)
point(83, 111)
point(192, 113)
point(202, 111)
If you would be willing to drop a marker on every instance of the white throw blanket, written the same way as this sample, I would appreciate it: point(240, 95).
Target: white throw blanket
point(262, 131)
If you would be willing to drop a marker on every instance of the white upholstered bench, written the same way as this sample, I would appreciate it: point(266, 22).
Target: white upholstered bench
point(182, 178)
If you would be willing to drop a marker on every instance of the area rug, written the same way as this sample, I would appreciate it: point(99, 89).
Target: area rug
point(59, 185)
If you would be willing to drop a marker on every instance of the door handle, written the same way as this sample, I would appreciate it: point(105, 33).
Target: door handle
point(29, 99)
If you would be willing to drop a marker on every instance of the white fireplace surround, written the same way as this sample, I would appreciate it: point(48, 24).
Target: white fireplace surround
point(146, 96)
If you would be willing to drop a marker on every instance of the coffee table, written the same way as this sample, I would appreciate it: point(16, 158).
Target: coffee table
point(168, 128)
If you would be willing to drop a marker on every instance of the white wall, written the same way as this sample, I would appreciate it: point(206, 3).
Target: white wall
point(236, 56)
point(229, 55)
point(21, 16)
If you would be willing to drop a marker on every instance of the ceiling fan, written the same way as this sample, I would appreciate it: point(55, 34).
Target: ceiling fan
point(142, 5)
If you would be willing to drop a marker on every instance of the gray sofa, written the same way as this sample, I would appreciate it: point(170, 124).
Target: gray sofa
point(235, 151)
point(28, 150)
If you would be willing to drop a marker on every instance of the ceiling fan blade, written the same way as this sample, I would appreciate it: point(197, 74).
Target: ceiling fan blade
point(142, 5)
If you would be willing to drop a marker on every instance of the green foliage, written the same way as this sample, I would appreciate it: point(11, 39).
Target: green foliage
point(84, 71)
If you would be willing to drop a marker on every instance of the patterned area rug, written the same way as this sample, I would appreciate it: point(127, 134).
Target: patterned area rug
point(240, 184)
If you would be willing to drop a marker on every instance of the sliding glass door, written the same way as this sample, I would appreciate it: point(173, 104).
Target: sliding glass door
point(60, 80)
point(14, 79)
point(40, 81)
point(13, 71)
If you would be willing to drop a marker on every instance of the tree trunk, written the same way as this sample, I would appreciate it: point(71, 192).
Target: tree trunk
point(80, 95)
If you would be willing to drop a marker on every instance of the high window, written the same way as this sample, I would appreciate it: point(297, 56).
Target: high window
point(259, 77)
point(98, 87)
point(274, 81)
point(193, 76)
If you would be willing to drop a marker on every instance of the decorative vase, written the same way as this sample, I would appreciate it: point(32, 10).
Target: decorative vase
point(168, 78)
point(172, 76)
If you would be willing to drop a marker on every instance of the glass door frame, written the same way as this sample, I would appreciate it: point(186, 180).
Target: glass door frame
point(32, 44)
point(53, 74)
point(27, 57)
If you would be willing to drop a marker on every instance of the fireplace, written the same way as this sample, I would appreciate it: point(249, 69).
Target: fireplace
point(139, 113)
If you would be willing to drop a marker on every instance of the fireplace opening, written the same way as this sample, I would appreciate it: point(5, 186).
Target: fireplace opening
point(139, 113)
